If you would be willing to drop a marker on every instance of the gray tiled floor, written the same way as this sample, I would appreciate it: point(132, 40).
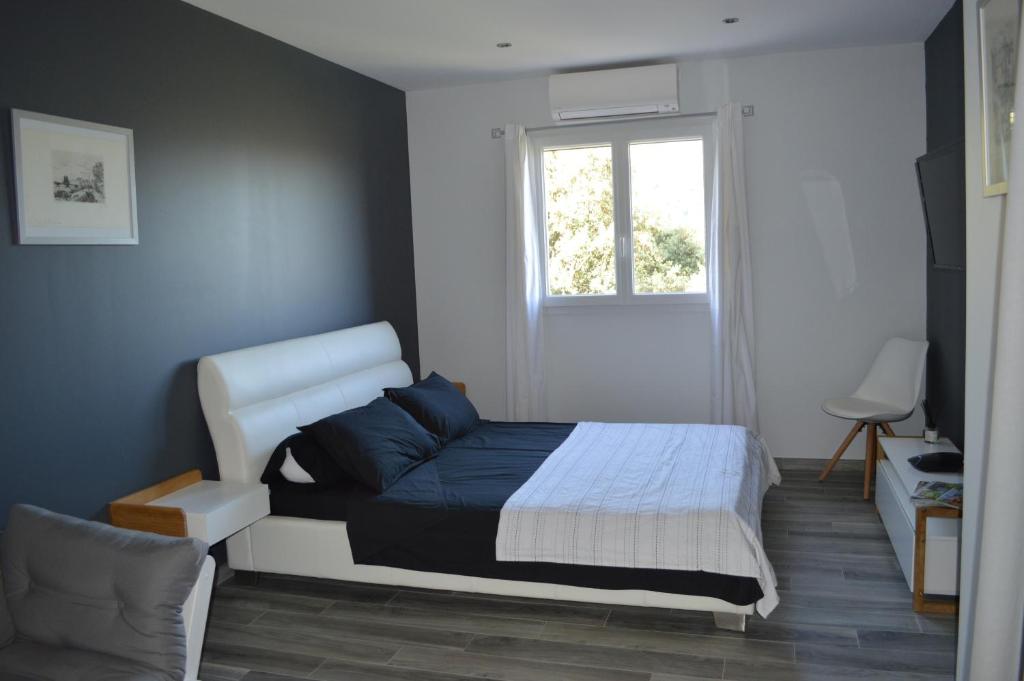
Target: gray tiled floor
point(845, 614)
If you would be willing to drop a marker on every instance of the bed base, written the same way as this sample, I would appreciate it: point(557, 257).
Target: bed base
point(731, 621)
point(320, 548)
point(255, 397)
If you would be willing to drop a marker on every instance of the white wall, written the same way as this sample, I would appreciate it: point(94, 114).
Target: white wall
point(984, 220)
point(837, 236)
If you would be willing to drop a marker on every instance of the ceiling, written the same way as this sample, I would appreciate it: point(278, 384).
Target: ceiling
point(419, 44)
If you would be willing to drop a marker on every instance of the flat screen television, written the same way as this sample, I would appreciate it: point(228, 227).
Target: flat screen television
point(940, 177)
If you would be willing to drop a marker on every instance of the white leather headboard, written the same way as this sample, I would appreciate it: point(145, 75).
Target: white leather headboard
point(254, 398)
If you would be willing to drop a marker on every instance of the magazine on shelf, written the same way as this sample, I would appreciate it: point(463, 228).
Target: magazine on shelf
point(949, 494)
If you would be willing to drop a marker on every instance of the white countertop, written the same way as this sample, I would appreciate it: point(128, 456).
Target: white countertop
point(899, 449)
point(215, 510)
point(206, 496)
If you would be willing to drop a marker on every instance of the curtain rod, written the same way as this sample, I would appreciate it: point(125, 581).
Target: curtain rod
point(624, 118)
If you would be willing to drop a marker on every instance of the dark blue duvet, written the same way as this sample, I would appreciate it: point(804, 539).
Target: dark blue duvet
point(443, 517)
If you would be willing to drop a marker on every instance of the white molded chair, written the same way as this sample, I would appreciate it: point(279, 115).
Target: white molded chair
point(889, 393)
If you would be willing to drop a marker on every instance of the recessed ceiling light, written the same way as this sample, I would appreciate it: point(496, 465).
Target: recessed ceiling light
point(503, 45)
point(731, 20)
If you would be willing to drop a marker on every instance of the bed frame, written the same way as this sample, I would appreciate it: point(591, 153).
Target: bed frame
point(254, 398)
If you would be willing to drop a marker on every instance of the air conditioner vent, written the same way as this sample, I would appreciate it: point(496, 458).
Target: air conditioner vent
point(617, 92)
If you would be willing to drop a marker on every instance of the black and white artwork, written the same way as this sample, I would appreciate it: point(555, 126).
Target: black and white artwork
point(74, 181)
point(999, 25)
point(77, 176)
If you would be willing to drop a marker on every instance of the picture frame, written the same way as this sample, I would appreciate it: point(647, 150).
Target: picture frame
point(74, 181)
point(998, 29)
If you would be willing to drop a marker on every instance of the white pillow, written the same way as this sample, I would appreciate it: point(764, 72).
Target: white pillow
point(292, 471)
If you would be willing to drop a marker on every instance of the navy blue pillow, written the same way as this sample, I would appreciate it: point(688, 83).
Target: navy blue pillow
point(375, 444)
point(308, 453)
point(438, 406)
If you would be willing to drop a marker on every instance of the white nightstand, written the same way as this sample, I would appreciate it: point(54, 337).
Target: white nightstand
point(188, 506)
point(935, 569)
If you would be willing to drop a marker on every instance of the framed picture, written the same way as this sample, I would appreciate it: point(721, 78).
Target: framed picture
point(75, 181)
point(998, 26)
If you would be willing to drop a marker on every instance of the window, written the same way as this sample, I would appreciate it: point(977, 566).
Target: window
point(579, 211)
point(624, 210)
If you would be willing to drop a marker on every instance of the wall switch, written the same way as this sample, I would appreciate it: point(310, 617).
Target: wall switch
point(497, 133)
point(748, 110)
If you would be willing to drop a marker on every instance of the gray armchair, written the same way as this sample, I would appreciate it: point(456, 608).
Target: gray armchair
point(84, 601)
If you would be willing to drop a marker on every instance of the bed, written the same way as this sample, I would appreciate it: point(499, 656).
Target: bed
point(439, 526)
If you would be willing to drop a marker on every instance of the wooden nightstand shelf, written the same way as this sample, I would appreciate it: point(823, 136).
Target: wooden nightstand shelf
point(937, 606)
point(188, 506)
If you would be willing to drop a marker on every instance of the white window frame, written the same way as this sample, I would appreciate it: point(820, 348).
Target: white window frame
point(619, 135)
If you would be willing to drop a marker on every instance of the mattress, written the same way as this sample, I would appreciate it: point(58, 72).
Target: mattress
point(310, 501)
point(443, 517)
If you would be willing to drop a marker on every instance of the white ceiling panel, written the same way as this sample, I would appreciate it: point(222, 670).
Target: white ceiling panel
point(418, 44)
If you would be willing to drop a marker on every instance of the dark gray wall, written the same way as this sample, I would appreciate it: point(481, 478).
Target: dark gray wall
point(947, 289)
point(273, 196)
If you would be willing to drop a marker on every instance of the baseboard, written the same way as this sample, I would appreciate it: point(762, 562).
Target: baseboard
point(246, 577)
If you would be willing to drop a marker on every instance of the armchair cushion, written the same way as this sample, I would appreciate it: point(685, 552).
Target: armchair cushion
point(29, 661)
point(72, 583)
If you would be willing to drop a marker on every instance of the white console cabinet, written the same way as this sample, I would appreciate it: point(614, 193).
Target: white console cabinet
point(938, 568)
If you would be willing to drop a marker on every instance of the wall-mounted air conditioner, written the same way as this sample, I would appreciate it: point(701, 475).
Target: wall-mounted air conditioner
point(617, 92)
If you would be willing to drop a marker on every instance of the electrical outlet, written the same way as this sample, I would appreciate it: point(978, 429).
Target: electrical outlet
point(497, 133)
point(748, 110)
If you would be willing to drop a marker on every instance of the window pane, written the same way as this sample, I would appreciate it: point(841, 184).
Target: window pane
point(667, 187)
point(580, 214)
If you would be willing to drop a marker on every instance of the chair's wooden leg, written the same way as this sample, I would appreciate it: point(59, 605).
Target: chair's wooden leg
point(879, 449)
point(842, 450)
point(870, 452)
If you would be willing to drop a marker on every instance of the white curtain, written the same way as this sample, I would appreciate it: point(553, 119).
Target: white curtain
point(733, 400)
point(999, 592)
point(524, 294)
